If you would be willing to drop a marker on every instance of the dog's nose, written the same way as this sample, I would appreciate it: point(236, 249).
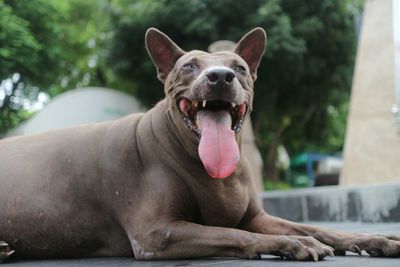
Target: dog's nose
point(220, 76)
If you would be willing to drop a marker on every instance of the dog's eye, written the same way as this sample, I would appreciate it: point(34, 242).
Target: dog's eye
point(239, 68)
point(189, 67)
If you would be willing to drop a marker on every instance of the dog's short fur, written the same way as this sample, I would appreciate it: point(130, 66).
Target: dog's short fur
point(167, 184)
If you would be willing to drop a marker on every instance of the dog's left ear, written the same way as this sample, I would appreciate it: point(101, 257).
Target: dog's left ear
point(163, 52)
point(251, 48)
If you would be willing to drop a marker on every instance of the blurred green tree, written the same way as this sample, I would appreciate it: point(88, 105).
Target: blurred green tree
point(303, 84)
point(46, 46)
point(302, 88)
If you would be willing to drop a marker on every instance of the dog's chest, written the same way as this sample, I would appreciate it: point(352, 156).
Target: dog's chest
point(223, 207)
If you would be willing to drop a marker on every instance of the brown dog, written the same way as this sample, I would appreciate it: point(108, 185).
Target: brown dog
point(167, 184)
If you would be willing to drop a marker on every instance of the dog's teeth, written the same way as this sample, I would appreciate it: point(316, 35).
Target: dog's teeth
point(204, 103)
point(233, 104)
point(197, 122)
point(195, 103)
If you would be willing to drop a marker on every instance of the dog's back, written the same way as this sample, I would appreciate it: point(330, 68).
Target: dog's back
point(54, 178)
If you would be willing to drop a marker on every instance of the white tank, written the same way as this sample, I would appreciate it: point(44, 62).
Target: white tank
point(79, 106)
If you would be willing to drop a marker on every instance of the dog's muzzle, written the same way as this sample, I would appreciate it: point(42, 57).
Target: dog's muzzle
point(216, 122)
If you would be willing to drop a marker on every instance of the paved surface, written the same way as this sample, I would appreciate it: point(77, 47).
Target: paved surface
point(342, 261)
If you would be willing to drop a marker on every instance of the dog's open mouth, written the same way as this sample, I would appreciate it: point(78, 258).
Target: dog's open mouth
point(215, 122)
point(191, 110)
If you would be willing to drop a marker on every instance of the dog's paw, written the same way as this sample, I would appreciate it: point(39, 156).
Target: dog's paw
point(5, 251)
point(302, 248)
point(383, 246)
point(376, 245)
point(392, 237)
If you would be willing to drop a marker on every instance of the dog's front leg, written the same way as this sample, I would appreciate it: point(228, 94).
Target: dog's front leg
point(375, 245)
point(180, 240)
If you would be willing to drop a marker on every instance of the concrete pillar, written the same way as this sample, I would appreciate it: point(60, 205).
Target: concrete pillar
point(372, 146)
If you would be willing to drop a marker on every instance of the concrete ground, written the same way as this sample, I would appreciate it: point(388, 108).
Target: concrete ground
point(342, 261)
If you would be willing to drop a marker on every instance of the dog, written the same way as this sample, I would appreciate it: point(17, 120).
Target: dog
point(167, 184)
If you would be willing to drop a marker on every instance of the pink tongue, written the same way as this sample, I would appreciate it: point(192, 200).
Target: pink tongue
point(218, 149)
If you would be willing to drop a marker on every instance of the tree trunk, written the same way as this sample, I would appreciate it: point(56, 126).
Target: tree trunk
point(270, 169)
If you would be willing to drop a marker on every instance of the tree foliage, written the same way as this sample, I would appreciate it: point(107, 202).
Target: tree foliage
point(49, 44)
point(303, 84)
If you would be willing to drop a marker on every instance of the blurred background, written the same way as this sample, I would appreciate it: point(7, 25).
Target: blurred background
point(57, 58)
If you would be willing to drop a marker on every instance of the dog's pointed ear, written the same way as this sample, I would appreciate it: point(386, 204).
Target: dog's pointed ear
point(163, 52)
point(251, 48)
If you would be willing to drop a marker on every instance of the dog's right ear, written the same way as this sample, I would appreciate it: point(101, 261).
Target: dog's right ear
point(163, 52)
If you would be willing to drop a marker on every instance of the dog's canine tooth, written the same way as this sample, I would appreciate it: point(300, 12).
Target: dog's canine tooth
point(195, 103)
point(197, 122)
point(233, 104)
point(204, 103)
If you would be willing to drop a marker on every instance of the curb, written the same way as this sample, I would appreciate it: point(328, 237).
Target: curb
point(374, 203)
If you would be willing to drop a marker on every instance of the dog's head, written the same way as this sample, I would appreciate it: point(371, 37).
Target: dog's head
point(212, 93)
